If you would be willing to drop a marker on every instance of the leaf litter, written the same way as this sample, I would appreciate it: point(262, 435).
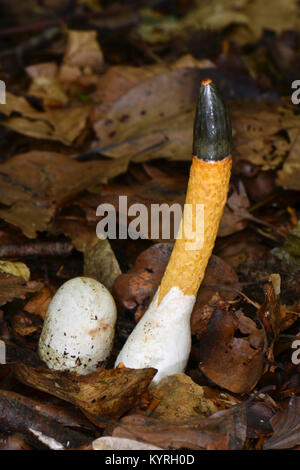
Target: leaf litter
point(91, 116)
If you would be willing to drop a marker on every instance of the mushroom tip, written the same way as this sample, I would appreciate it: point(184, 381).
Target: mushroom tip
point(206, 81)
point(212, 126)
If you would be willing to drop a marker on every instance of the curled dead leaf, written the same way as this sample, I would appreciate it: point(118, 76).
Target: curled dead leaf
point(103, 394)
point(231, 351)
point(286, 426)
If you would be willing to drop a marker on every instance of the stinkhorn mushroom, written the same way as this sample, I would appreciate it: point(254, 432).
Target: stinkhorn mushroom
point(162, 338)
point(79, 327)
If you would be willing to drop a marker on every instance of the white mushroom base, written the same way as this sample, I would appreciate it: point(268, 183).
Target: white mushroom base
point(162, 338)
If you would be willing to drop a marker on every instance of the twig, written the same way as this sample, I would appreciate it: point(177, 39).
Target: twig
point(60, 248)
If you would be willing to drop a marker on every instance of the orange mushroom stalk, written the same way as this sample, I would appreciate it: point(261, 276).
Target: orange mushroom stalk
point(162, 338)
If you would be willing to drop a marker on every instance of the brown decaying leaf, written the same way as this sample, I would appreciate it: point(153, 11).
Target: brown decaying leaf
point(259, 136)
point(77, 229)
point(245, 21)
point(149, 114)
point(44, 69)
point(132, 118)
point(286, 425)
point(235, 213)
point(221, 431)
point(258, 419)
point(289, 175)
point(83, 49)
point(14, 442)
point(22, 415)
point(25, 324)
point(143, 130)
point(15, 268)
point(46, 85)
point(33, 184)
point(13, 287)
point(272, 315)
point(241, 248)
point(100, 263)
point(136, 287)
point(145, 107)
point(82, 59)
point(62, 125)
point(50, 90)
point(38, 303)
point(219, 278)
point(229, 360)
point(100, 394)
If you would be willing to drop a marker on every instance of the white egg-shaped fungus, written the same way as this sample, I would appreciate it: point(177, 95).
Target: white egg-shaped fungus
point(79, 327)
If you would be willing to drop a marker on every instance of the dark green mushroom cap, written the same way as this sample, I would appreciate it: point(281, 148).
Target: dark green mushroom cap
point(212, 126)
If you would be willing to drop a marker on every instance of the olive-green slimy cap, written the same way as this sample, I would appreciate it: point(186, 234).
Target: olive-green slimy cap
point(212, 126)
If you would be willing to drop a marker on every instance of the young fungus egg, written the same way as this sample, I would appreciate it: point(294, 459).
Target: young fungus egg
point(79, 327)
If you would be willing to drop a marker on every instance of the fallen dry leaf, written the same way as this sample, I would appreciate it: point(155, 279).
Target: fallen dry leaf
point(135, 289)
point(44, 69)
point(16, 269)
point(14, 442)
point(50, 90)
point(286, 425)
point(231, 351)
point(83, 57)
point(235, 216)
point(131, 118)
point(223, 430)
point(33, 183)
point(272, 315)
point(103, 394)
point(219, 277)
point(14, 287)
point(258, 419)
point(259, 136)
point(120, 79)
point(63, 125)
point(100, 263)
point(246, 19)
point(21, 414)
point(38, 303)
point(289, 175)
point(83, 49)
point(153, 101)
point(24, 324)
point(149, 114)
